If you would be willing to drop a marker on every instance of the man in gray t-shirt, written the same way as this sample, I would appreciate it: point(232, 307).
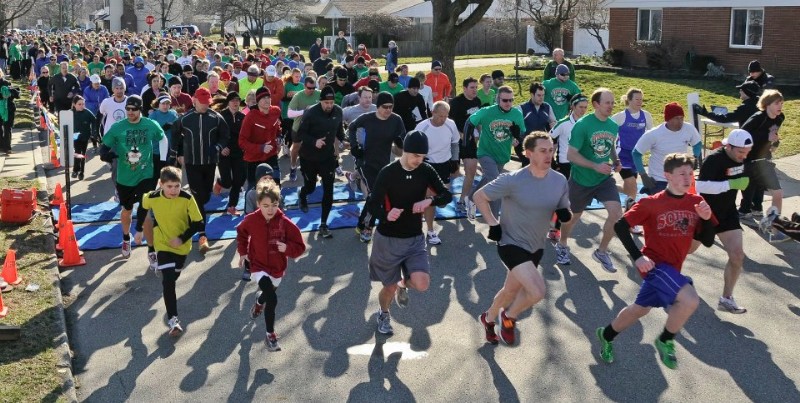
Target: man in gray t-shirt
point(530, 195)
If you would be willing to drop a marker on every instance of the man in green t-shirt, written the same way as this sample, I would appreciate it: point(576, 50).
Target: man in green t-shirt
point(501, 126)
point(96, 66)
point(299, 103)
point(594, 159)
point(131, 142)
point(559, 90)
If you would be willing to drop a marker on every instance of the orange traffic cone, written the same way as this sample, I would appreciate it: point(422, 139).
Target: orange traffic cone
point(3, 308)
point(62, 217)
point(33, 199)
point(58, 196)
point(72, 255)
point(54, 158)
point(10, 268)
point(692, 188)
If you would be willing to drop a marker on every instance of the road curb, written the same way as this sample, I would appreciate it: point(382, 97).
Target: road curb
point(61, 341)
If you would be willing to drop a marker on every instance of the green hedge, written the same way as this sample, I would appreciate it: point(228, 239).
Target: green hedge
point(303, 37)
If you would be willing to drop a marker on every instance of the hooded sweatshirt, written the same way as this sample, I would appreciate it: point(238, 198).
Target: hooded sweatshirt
point(257, 130)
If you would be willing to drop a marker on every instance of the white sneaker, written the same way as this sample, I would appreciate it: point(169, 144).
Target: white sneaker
point(730, 305)
point(433, 238)
point(472, 209)
point(562, 254)
point(153, 258)
point(126, 249)
point(175, 328)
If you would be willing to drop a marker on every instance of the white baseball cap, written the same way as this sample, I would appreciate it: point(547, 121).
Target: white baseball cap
point(94, 79)
point(271, 71)
point(739, 138)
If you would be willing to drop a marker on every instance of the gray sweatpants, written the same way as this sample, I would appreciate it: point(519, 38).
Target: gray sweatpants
point(491, 170)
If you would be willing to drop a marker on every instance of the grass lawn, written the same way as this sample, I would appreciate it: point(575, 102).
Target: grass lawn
point(28, 366)
point(657, 93)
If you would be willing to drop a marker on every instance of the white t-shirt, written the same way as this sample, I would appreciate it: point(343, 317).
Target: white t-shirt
point(427, 94)
point(184, 60)
point(439, 139)
point(241, 75)
point(619, 118)
point(114, 111)
point(562, 133)
point(661, 141)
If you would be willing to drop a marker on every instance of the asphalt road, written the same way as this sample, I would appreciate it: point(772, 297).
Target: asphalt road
point(331, 351)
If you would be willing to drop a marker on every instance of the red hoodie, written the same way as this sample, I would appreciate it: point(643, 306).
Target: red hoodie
point(256, 237)
point(257, 130)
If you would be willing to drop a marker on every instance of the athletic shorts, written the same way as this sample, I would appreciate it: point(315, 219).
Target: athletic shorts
point(443, 170)
point(169, 260)
point(581, 196)
point(129, 195)
point(513, 256)
point(626, 173)
point(257, 275)
point(390, 255)
point(467, 151)
point(660, 185)
point(762, 174)
point(661, 286)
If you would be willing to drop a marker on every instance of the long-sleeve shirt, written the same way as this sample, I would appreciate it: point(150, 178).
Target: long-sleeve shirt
point(258, 129)
point(257, 239)
point(199, 137)
point(375, 148)
point(318, 124)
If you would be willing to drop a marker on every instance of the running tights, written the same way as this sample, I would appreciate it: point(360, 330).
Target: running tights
point(269, 298)
point(168, 279)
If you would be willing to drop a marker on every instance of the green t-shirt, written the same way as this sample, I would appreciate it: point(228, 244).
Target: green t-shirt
point(487, 99)
point(133, 167)
point(288, 87)
point(301, 101)
point(362, 71)
point(496, 139)
point(384, 86)
point(557, 94)
point(55, 69)
point(96, 68)
point(594, 140)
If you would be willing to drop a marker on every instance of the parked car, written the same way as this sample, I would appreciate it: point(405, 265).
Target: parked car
point(182, 29)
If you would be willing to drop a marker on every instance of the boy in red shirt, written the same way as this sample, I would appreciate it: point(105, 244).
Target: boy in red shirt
point(670, 218)
point(266, 238)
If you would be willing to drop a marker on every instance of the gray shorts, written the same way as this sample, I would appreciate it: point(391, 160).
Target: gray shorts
point(762, 174)
point(581, 196)
point(390, 256)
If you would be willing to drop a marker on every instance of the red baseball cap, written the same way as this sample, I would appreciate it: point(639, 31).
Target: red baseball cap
point(225, 76)
point(323, 50)
point(203, 96)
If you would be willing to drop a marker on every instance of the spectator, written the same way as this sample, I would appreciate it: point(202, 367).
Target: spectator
point(558, 58)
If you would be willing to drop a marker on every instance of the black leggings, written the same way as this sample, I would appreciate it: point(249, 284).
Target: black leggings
point(232, 172)
point(170, 265)
point(201, 183)
point(286, 131)
point(80, 163)
point(269, 298)
point(310, 171)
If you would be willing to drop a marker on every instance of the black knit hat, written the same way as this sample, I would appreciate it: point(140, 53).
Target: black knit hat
point(385, 98)
point(261, 93)
point(174, 80)
point(134, 101)
point(327, 94)
point(415, 142)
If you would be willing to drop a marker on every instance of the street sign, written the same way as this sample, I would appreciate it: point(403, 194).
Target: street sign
point(149, 20)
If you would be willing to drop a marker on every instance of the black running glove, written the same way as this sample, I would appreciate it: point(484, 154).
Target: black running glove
point(495, 233)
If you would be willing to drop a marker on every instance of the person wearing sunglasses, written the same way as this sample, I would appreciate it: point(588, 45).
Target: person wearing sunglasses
point(302, 100)
point(439, 82)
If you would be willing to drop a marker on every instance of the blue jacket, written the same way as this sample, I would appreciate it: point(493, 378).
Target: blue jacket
point(129, 84)
point(94, 97)
point(139, 78)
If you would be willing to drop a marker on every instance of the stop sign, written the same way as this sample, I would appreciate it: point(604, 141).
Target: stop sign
point(150, 20)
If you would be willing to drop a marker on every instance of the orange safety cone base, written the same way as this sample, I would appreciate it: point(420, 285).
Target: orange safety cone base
point(3, 312)
point(58, 195)
point(80, 262)
point(18, 282)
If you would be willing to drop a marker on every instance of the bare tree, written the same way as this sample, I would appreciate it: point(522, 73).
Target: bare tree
point(449, 26)
point(257, 14)
point(380, 25)
point(10, 10)
point(593, 16)
point(164, 10)
point(549, 16)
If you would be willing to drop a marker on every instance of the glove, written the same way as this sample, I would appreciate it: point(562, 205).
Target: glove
point(647, 181)
point(563, 214)
point(700, 110)
point(495, 233)
point(515, 132)
point(739, 183)
point(109, 157)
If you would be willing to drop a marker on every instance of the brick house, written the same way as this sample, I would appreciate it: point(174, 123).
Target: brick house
point(733, 31)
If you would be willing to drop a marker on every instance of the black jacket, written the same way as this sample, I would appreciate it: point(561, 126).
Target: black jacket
point(739, 115)
point(61, 86)
point(404, 105)
point(234, 122)
point(765, 81)
point(313, 52)
point(318, 124)
point(200, 137)
point(191, 84)
point(320, 65)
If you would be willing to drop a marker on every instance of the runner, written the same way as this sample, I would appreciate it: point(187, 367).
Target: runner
point(398, 258)
point(559, 90)
point(265, 239)
point(594, 160)
point(633, 121)
point(439, 82)
point(530, 197)
point(461, 107)
point(538, 116)
point(258, 137)
point(297, 106)
point(671, 218)
point(232, 168)
point(178, 219)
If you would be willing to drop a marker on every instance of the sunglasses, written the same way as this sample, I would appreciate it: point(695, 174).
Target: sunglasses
point(437, 69)
point(131, 109)
point(506, 100)
point(564, 75)
point(387, 106)
point(308, 87)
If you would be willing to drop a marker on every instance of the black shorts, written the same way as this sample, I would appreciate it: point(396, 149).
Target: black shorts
point(728, 223)
point(169, 260)
point(467, 151)
point(443, 170)
point(513, 256)
point(762, 174)
point(626, 173)
point(129, 195)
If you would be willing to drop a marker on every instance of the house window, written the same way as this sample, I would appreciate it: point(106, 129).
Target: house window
point(747, 27)
point(649, 25)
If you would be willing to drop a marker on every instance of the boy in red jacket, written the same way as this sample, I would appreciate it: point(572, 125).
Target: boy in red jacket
point(266, 238)
point(258, 137)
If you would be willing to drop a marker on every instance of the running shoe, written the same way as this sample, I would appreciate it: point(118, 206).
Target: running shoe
point(604, 258)
point(666, 350)
point(126, 248)
point(366, 235)
point(232, 211)
point(765, 224)
point(246, 274)
point(776, 236)
point(325, 232)
point(629, 203)
point(433, 238)
point(795, 217)
point(153, 258)
point(472, 210)
point(339, 171)
point(175, 328)
point(217, 188)
point(461, 207)
point(384, 323)
point(74, 174)
point(488, 328)
point(256, 309)
point(554, 235)
point(730, 305)
point(758, 214)
point(292, 174)
point(80, 176)
point(507, 326)
point(285, 150)
point(202, 244)
point(562, 254)
point(606, 348)
point(401, 297)
point(745, 216)
point(352, 181)
point(272, 342)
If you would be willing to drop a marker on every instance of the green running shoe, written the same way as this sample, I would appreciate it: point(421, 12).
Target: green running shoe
point(606, 349)
point(667, 352)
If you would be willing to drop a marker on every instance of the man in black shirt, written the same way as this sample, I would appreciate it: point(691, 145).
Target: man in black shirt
point(399, 259)
point(372, 148)
point(321, 126)
point(410, 105)
point(461, 107)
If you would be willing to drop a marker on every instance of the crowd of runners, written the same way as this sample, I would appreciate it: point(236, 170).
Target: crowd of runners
point(159, 108)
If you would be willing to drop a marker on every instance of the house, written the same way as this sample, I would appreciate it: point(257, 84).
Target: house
point(733, 31)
